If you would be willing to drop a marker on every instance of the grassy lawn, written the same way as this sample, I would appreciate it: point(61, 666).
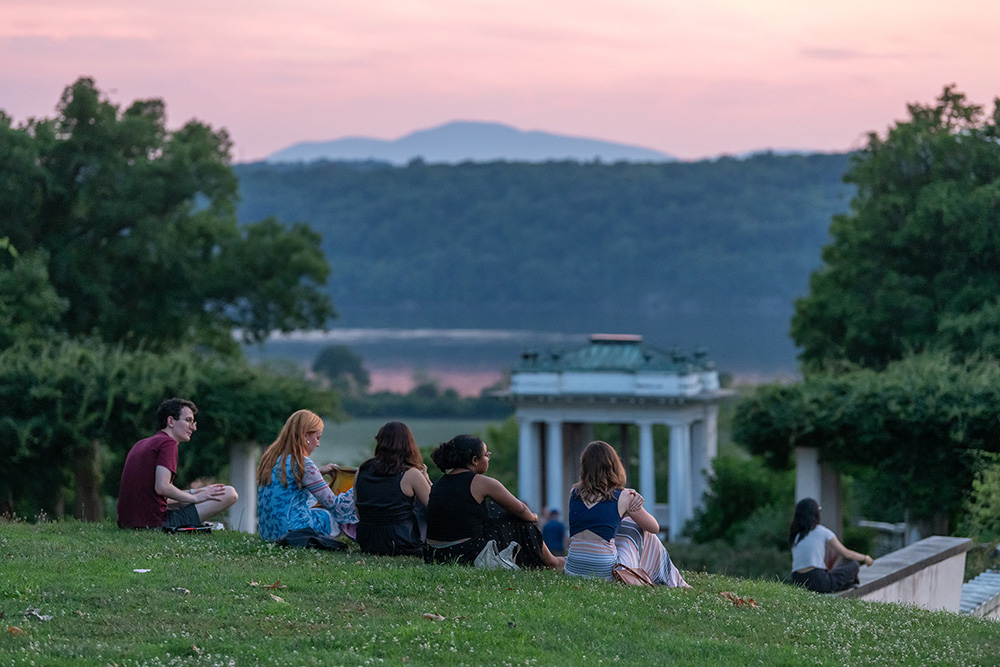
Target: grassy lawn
point(204, 601)
point(353, 441)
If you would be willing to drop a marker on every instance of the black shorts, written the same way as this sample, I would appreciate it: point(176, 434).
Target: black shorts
point(182, 516)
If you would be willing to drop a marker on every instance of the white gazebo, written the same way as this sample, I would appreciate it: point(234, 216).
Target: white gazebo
point(615, 379)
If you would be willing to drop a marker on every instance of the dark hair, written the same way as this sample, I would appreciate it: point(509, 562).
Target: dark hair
point(172, 408)
point(395, 450)
point(601, 473)
point(457, 452)
point(805, 519)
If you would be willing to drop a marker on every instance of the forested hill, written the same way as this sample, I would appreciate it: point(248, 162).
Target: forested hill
point(559, 237)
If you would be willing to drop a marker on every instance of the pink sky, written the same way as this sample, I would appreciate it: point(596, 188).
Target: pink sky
point(690, 78)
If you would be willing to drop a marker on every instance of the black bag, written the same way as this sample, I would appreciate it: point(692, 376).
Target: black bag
point(307, 538)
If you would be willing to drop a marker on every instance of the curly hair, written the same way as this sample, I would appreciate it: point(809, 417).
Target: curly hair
point(395, 450)
point(291, 442)
point(601, 473)
point(457, 452)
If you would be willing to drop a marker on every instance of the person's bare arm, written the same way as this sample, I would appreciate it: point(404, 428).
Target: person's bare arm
point(844, 552)
point(164, 487)
point(416, 483)
point(630, 505)
point(487, 487)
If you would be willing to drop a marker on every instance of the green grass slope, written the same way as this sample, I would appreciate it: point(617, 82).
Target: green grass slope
point(70, 595)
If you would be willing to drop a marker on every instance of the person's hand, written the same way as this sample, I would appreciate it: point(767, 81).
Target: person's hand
point(210, 492)
point(635, 504)
point(868, 560)
point(327, 469)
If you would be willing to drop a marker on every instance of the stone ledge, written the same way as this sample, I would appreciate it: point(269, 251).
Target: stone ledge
point(898, 565)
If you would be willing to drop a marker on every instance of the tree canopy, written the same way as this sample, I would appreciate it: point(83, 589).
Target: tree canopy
point(136, 226)
point(915, 430)
point(71, 409)
point(915, 264)
point(475, 241)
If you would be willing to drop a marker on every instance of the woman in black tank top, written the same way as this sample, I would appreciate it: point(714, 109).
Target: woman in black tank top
point(391, 493)
point(459, 520)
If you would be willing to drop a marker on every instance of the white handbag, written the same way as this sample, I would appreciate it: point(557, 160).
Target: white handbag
point(492, 559)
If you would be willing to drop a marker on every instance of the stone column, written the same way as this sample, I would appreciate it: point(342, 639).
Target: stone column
point(528, 464)
point(821, 483)
point(704, 447)
point(680, 482)
point(553, 467)
point(647, 469)
point(243, 474)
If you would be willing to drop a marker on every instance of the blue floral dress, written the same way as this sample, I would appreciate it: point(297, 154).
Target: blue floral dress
point(281, 509)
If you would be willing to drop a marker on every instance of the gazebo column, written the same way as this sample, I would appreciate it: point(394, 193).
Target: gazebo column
point(647, 469)
point(553, 467)
point(704, 446)
point(680, 483)
point(528, 464)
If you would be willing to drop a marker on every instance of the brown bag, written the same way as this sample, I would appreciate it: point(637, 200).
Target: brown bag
point(630, 576)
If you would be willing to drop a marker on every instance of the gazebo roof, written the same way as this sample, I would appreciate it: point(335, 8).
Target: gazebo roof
point(616, 353)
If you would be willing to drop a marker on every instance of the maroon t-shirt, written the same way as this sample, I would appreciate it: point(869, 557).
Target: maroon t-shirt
point(139, 505)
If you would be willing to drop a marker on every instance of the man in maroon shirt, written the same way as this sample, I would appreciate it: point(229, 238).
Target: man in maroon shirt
point(147, 497)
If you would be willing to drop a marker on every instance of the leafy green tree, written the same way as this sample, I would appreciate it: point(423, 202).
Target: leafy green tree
point(137, 225)
point(71, 409)
point(983, 505)
point(29, 305)
point(914, 264)
point(917, 428)
point(343, 367)
point(741, 491)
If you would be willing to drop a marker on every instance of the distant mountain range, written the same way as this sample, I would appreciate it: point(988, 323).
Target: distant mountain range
point(468, 141)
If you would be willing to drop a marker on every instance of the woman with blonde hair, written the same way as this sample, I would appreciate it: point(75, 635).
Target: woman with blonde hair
point(608, 525)
point(289, 484)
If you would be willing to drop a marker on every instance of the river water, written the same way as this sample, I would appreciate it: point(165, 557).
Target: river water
point(752, 346)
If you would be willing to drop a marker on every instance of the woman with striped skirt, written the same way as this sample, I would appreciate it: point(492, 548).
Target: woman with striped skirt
point(608, 525)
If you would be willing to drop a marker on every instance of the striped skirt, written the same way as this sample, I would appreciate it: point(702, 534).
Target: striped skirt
point(630, 546)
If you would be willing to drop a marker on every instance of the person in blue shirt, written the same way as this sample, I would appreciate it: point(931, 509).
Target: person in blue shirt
point(554, 534)
point(608, 524)
point(289, 485)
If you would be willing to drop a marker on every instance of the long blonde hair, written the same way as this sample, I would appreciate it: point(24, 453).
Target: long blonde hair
point(601, 473)
point(291, 442)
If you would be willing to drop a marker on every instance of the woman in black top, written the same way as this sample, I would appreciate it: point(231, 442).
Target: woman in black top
point(460, 522)
point(391, 491)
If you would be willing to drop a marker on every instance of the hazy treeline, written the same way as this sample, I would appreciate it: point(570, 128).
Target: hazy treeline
point(724, 233)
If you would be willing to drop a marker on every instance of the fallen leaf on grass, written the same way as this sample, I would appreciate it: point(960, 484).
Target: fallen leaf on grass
point(275, 586)
point(738, 601)
point(276, 598)
point(433, 616)
point(182, 591)
point(195, 650)
point(255, 584)
point(14, 630)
